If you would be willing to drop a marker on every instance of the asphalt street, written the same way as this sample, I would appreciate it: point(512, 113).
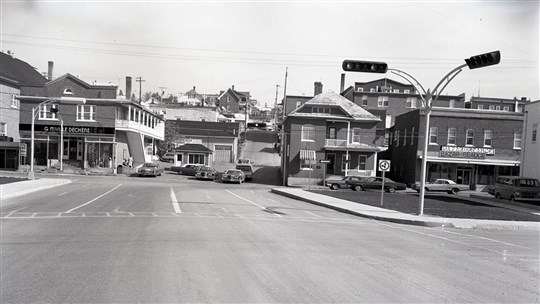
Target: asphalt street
point(175, 239)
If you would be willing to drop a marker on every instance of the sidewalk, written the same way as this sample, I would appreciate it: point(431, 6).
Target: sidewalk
point(403, 218)
point(28, 186)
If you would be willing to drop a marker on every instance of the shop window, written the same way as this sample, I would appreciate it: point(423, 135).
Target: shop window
point(196, 158)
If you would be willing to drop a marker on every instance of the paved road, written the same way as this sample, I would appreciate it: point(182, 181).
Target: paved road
point(174, 239)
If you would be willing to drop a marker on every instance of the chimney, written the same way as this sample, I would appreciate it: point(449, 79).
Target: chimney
point(193, 88)
point(318, 88)
point(50, 70)
point(232, 87)
point(342, 85)
point(128, 87)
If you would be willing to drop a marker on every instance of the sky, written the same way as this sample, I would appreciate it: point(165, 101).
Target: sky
point(213, 45)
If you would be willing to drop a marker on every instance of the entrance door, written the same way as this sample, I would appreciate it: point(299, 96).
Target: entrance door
point(331, 167)
point(464, 176)
point(72, 149)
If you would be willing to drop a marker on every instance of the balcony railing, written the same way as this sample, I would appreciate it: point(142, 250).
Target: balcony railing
point(157, 132)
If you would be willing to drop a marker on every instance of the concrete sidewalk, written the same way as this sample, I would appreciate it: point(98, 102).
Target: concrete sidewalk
point(399, 217)
point(28, 186)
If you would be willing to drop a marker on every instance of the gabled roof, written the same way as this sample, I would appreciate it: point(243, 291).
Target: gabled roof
point(20, 71)
point(81, 82)
point(349, 108)
point(193, 148)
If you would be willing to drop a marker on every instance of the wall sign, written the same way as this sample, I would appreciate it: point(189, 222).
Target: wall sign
point(465, 152)
point(67, 129)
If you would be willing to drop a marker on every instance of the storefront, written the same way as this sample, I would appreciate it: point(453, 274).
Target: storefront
point(83, 147)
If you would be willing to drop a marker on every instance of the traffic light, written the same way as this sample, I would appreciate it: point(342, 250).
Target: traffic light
point(364, 66)
point(483, 60)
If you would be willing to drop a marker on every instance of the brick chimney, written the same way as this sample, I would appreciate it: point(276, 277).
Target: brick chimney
point(318, 88)
point(342, 84)
point(128, 87)
point(50, 71)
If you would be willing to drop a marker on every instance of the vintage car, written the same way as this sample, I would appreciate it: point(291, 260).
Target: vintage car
point(206, 172)
point(150, 169)
point(234, 176)
point(372, 182)
point(339, 182)
point(517, 188)
point(247, 169)
point(444, 185)
point(187, 169)
point(167, 157)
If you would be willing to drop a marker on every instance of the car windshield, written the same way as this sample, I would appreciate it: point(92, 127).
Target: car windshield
point(150, 165)
point(234, 172)
point(205, 169)
point(244, 168)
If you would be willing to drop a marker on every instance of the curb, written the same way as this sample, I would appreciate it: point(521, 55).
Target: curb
point(29, 186)
point(416, 220)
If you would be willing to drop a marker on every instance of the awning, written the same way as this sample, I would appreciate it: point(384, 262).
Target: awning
point(307, 154)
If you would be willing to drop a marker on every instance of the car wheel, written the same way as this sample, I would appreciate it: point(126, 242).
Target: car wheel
point(512, 198)
point(358, 188)
point(334, 186)
point(392, 190)
point(454, 191)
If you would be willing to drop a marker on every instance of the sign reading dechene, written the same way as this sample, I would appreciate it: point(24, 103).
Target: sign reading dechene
point(465, 152)
point(67, 129)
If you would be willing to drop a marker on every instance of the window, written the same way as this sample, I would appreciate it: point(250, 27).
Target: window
point(386, 139)
point(411, 102)
point(517, 139)
point(14, 102)
point(469, 137)
point(412, 136)
point(362, 162)
point(45, 112)
point(86, 112)
point(332, 133)
point(68, 91)
point(480, 107)
point(3, 129)
point(406, 91)
point(196, 158)
point(396, 91)
point(519, 109)
point(364, 100)
point(382, 101)
point(452, 103)
point(534, 132)
point(372, 90)
point(305, 164)
point(451, 137)
point(320, 110)
point(498, 108)
point(488, 138)
point(405, 137)
point(356, 135)
point(433, 135)
point(359, 89)
point(506, 108)
point(491, 108)
point(308, 133)
point(298, 104)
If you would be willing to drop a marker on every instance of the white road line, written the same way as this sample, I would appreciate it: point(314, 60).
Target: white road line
point(488, 239)
point(315, 215)
point(62, 194)
point(174, 202)
point(245, 199)
point(95, 199)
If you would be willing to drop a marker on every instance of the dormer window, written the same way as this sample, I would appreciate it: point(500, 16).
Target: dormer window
point(320, 110)
point(68, 91)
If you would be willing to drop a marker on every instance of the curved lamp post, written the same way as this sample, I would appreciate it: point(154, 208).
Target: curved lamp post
point(427, 97)
point(61, 100)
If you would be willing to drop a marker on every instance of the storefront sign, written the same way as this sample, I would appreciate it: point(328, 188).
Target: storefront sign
point(465, 152)
point(22, 149)
point(67, 129)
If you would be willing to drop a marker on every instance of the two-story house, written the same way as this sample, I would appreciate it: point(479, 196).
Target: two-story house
point(329, 127)
point(14, 73)
point(232, 101)
point(469, 146)
point(99, 132)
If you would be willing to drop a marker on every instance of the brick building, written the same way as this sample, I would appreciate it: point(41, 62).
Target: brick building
point(469, 146)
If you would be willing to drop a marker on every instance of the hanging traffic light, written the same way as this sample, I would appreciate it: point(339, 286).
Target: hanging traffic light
point(483, 60)
point(364, 66)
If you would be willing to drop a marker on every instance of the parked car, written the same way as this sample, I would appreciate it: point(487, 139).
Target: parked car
point(206, 173)
point(247, 169)
point(445, 185)
point(167, 157)
point(372, 182)
point(187, 169)
point(517, 188)
point(339, 182)
point(243, 161)
point(233, 175)
point(150, 169)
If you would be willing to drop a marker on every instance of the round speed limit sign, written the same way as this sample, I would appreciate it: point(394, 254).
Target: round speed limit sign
point(384, 165)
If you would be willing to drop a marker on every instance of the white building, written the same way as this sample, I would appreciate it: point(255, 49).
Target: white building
point(530, 144)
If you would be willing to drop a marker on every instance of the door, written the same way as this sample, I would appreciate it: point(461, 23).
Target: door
point(331, 166)
point(463, 176)
point(72, 149)
point(222, 153)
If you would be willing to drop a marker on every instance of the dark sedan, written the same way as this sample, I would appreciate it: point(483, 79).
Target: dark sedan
point(340, 182)
point(206, 172)
point(373, 182)
point(150, 169)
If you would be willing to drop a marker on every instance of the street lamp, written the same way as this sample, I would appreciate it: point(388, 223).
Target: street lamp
point(61, 100)
point(427, 97)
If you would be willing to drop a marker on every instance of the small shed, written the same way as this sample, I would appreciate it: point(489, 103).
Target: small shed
point(192, 154)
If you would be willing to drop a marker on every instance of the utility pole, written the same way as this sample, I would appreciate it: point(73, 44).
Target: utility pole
point(275, 107)
point(140, 81)
point(284, 156)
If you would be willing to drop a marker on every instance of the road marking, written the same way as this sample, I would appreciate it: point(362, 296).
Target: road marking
point(174, 202)
point(488, 239)
point(95, 199)
point(315, 215)
point(62, 194)
point(263, 208)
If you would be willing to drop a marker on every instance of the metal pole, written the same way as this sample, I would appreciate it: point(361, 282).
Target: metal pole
point(424, 153)
point(31, 172)
point(310, 168)
point(382, 188)
point(61, 143)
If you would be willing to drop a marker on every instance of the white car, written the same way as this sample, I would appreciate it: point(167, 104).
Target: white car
point(444, 185)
